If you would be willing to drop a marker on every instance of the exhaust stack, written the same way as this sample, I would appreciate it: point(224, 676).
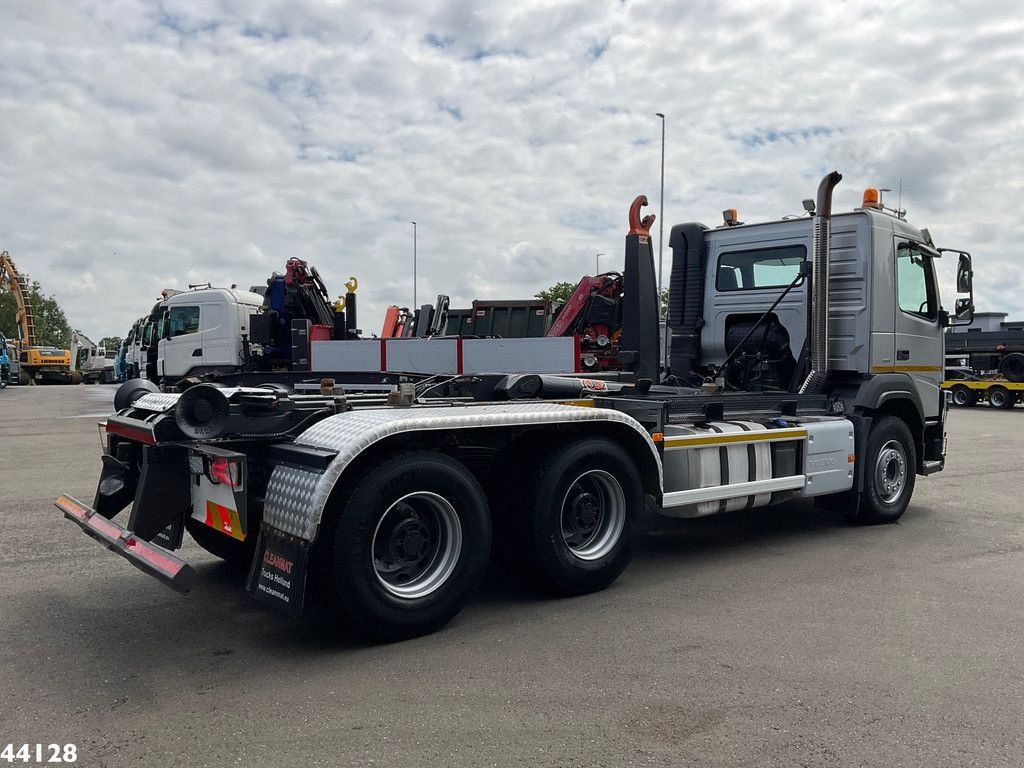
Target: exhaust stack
point(820, 233)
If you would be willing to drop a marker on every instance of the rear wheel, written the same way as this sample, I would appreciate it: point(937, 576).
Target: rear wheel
point(1000, 397)
point(576, 525)
point(890, 468)
point(963, 397)
point(403, 552)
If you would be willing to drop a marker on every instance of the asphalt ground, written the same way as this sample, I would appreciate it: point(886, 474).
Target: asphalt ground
point(777, 637)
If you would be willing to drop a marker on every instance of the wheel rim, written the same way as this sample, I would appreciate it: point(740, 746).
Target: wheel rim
point(960, 396)
point(891, 471)
point(416, 545)
point(997, 397)
point(593, 515)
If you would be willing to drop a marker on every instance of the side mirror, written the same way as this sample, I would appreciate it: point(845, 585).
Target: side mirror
point(964, 275)
point(964, 309)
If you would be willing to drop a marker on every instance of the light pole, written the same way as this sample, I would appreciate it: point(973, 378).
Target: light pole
point(414, 305)
point(597, 263)
point(661, 235)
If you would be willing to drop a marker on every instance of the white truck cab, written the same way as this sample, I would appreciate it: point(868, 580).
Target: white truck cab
point(133, 347)
point(201, 331)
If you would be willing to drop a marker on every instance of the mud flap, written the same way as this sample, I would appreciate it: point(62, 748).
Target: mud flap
point(278, 574)
point(162, 495)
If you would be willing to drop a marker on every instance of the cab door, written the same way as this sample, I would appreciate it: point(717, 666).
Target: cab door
point(182, 348)
point(918, 331)
point(218, 336)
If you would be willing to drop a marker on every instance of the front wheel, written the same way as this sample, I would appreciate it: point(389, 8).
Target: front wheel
point(402, 553)
point(580, 517)
point(890, 468)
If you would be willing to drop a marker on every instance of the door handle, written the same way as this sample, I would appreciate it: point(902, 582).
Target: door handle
point(902, 354)
point(197, 352)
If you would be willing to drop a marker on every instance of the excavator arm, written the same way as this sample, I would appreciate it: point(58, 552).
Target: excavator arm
point(22, 297)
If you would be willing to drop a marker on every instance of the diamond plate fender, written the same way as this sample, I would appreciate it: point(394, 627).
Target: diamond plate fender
point(158, 402)
point(296, 498)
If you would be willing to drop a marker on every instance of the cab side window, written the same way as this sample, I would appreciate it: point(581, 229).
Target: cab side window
point(182, 321)
point(761, 268)
point(915, 282)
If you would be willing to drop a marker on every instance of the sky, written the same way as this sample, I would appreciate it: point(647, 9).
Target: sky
point(150, 145)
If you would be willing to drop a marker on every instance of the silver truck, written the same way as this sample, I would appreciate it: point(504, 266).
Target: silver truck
point(806, 357)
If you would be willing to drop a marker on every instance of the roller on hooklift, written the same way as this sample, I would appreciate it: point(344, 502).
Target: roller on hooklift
point(799, 369)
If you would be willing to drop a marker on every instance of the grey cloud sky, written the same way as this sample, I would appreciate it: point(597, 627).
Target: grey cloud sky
point(146, 145)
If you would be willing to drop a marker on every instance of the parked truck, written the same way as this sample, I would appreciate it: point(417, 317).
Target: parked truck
point(92, 363)
point(806, 362)
point(198, 332)
point(213, 333)
point(988, 367)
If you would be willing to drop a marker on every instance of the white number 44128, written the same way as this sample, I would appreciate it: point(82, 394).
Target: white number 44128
point(40, 753)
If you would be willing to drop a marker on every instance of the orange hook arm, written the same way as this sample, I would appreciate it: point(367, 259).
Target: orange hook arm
point(638, 226)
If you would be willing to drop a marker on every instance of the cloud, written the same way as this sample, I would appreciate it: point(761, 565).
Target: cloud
point(151, 144)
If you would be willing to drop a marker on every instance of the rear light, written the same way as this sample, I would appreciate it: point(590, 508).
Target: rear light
point(142, 434)
point(226, 471)
point(103, 526)
point(168, 566)
point(73, 507)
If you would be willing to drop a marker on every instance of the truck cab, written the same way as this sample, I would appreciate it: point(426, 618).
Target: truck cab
point(200, 331)
point(873, 329)
point(132, 350)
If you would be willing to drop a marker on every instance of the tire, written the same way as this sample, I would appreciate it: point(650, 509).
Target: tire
point(1012, 367)
point(578, 520)
point(963, 397)
point(1000, 397)
point(890, 472)
point(237, 554)
point(401, 554)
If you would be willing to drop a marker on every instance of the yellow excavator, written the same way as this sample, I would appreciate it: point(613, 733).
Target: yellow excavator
point(39, 364)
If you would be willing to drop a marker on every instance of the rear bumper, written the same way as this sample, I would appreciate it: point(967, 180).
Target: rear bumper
point(147, 557)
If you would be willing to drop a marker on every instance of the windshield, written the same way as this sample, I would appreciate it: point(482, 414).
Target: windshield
point(183, 320)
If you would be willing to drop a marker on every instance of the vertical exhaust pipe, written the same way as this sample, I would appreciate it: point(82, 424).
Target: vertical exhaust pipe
point(821, 230)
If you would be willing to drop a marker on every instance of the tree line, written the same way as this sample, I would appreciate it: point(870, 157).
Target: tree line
point(52, 329)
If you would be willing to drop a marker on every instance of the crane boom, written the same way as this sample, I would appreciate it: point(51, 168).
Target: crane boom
point(22, 297)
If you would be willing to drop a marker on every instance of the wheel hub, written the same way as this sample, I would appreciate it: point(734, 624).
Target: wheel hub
point(410, 540)
point(891, 471)
point(593, 515)
point(586, 510)
point(416, 545)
